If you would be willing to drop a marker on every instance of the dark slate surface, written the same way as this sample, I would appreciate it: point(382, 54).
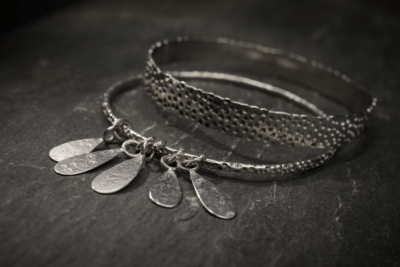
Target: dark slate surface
point(53, 71)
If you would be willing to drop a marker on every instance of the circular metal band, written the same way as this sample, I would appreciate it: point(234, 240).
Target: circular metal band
point(252, 123)
point(216, 165)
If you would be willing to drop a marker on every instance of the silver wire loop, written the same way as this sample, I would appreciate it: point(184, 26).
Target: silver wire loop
point(193, 169)
point(197, 160)
point(176, 156)
point(130, 142)
point(115, 131)
point(119, 130)
point(191, 162)
point(160, 146)
point(108, 135)
point(163, 160)
point(146, 147)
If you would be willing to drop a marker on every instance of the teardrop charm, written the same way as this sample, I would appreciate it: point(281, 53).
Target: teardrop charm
point(85, 162)
point(119, 176)
point(211, 198)
point(74, 148)
point(166, 191)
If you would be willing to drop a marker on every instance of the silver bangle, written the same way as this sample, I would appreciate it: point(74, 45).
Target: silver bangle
point(252, 123)
point(77, 157)
point(278, 171)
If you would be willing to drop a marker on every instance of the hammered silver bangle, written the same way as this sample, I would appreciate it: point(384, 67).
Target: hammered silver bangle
point(278, 171)
point(252, 123)
point(81, 156)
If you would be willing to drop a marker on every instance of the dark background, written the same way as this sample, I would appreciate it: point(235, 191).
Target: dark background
point(58, 57)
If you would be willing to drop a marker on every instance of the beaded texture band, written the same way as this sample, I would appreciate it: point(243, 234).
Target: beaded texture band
point(233, 169)
point(252, 123)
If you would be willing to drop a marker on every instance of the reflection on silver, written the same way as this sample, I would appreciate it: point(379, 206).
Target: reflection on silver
point(211, 198)
point(166, 191)
point(74, 148)
point(119, 176)
point(85, 162)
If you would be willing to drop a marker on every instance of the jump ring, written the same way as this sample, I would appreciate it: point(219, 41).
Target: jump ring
point(109, 134)
point(175, 157)
point(129, 142)
point(118, 130)
point(149, 158)
point(196, 160)
point(147, 144)
point(164, 164)
point(193, 169)
point(160, 146)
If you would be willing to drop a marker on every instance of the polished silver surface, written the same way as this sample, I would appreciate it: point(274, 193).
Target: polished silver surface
point(212, 199)
point(281, 171)
point(74, 148)
point(166, 191)
point(119, 176)
point(85, 162)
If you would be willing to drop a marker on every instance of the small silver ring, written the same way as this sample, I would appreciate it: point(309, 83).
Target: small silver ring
point(145, 145)
point(109, 134)
point(118, 130)
point(118, 137)
point(196, 160)
point(176, 156)
point(149, 158)
point(129, 142)
point(160, 146)
point(164, 164)
point(193, 169)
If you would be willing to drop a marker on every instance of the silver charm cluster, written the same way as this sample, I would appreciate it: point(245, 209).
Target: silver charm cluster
point(77, 157)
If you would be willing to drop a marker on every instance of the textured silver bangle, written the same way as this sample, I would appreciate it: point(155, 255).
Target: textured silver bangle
point(252, 123)
point(121, 129)
point(238, 170)
point(77, 157)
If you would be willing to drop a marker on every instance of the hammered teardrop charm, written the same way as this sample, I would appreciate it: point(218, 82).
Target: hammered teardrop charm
point(119, 176)
point(166, 191)
point(74, 148)
point(85, 162)
point(211, 198)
